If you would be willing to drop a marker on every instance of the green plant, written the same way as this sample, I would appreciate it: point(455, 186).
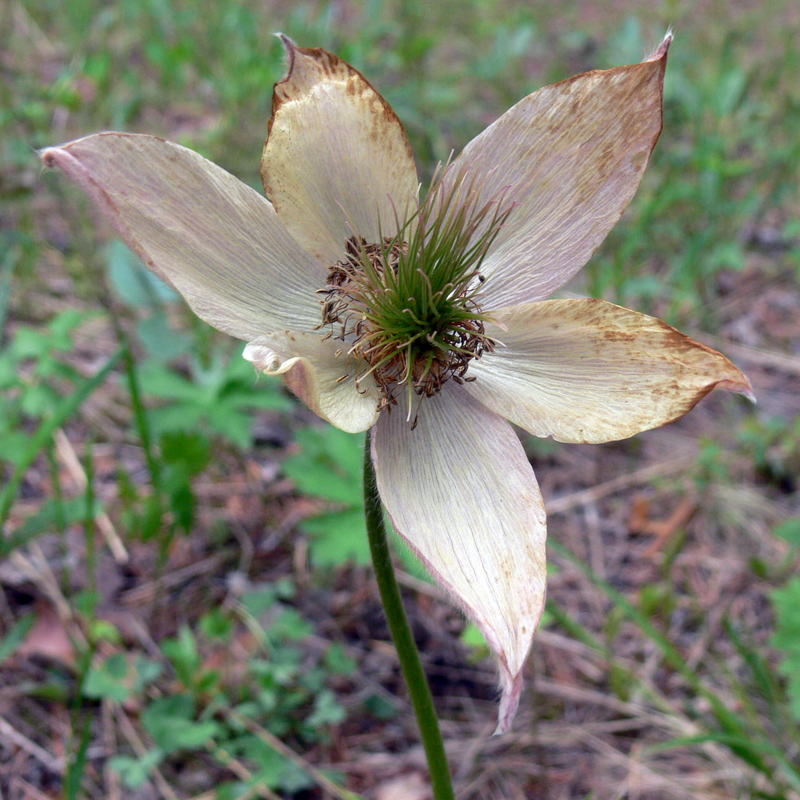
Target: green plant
point(216, 398)
point(328, 467)
point(279, 687)
point(35, 375)
point(786, 603)
point(217, 393)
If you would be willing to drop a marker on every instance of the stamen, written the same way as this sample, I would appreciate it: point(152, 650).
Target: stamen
point(407, 307)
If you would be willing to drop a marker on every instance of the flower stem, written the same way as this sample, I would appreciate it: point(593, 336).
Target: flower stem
point(401, 634)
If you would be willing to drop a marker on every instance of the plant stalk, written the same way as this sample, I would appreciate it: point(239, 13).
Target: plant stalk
point(407, 652)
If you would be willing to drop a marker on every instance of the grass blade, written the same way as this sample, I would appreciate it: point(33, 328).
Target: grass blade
point(737, 743)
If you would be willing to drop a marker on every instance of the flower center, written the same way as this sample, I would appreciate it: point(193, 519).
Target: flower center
point(407, 307)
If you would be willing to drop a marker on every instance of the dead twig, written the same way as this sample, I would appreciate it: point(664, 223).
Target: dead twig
point(276, 744)
point(12, 735)
point(561, 505)
point(129, 732)
point(244, 774)
point(69, 458)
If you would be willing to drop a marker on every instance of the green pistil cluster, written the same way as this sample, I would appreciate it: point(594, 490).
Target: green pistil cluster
point(407, 307)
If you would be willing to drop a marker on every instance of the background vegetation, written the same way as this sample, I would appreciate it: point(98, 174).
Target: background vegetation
point(185, 603)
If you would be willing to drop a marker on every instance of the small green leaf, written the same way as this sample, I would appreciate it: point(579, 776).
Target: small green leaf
point(135, 771)
point(132, 282)
point(338, 537)
point(229, 421)
point(147, 671)
point(61, 328)
point(100, 630)
point(161, 341)
point(38, 400)
point(14, 446)
point(170, 721)
point(327, 710)
point(291, 625)
point(256, 602)
point(380, 707)
point(265, 396)
point(108, 680)
point(217, 625)
point(192, 451)
point(161, 381)
point(472, 637)
point(318, 476)
point(329, 465)
point(185, 417)
point(338, 661)
point(182, 653)
point(789, 530)
point(786, 601)
point(8, 370)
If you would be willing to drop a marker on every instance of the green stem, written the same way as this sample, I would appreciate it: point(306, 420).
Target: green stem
point(407, 651)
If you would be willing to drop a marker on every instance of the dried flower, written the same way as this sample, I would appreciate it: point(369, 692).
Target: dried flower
point(427, 319)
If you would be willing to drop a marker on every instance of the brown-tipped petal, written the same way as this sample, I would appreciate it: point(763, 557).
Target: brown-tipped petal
point(461, 492)
point(311, 368)
point(571, 156)
point(337, 160)
point(590, 371)
point(216, 240)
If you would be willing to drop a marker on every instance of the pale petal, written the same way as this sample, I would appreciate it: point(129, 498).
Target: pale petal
point(571, 157)
point(216, 240)
point(461, 492)
point(337, 157)
point(312, 369)
point(590, 371)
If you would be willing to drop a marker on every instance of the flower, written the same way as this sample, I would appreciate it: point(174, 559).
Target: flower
point(427, 320)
